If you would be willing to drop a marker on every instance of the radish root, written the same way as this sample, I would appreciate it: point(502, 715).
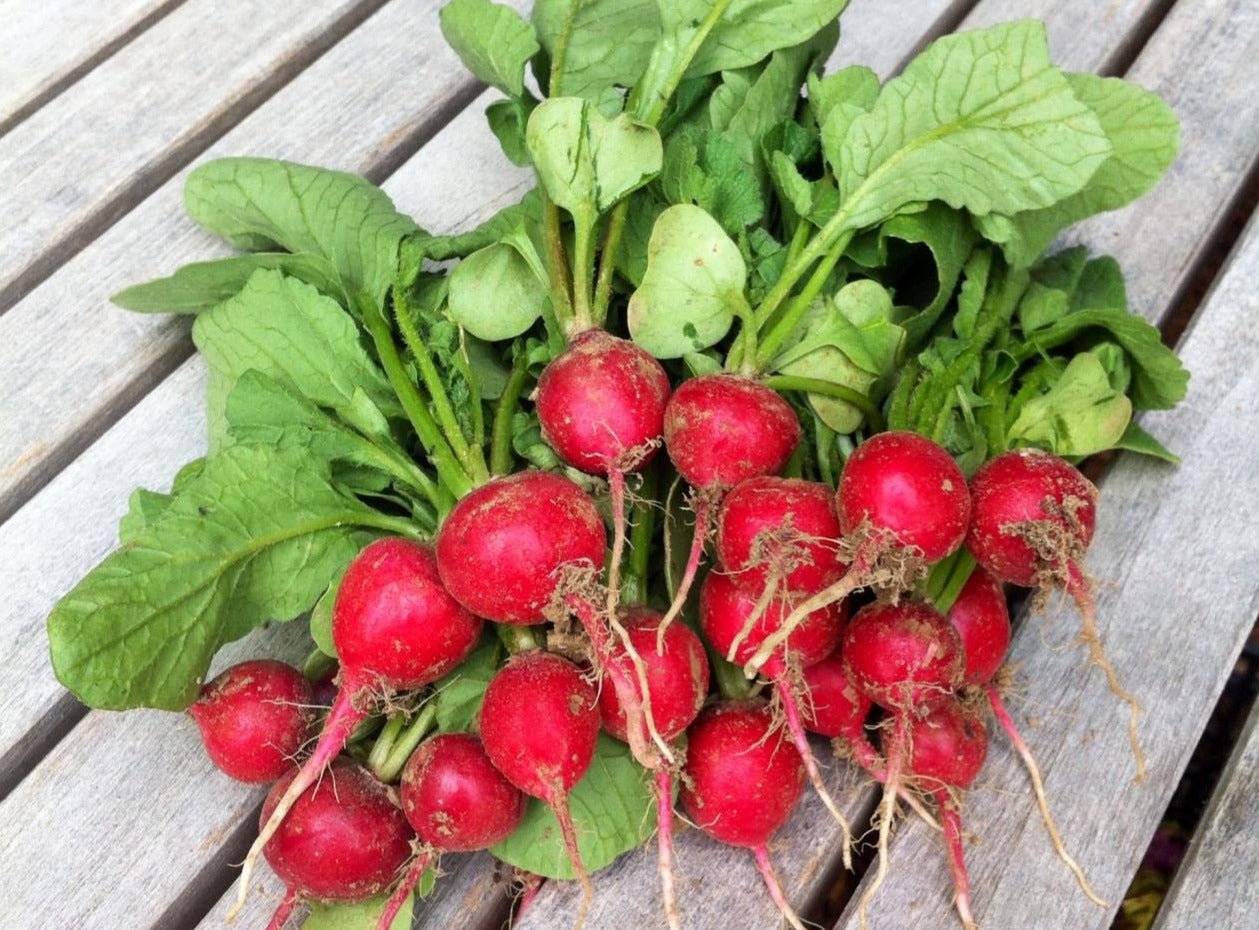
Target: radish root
point(703, 516)
point(1042, 801)
point(952, 820)
point(559, 804)
point(886, 813)
point(422, 860)
point(791, 709)
point(766, 869)
point(664, 840)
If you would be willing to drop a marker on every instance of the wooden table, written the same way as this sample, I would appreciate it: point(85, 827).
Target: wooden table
point(118, 821)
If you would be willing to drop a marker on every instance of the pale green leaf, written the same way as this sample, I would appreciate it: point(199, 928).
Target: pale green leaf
point(693, 286)
point(494, 294)
point(493, 41)
point(609, 43)
point(201, 285)
point(1081, 413)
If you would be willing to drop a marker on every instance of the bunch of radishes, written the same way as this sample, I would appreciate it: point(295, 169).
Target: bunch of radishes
point(531, 547)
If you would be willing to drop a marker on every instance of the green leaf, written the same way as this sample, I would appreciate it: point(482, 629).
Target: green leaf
point(507, 119)
point(364, 915)
point(586, 161)
point(855, 86)
point(645, 208)
point(460, 693)
point(495, 294)
point(1159, 380)
point(255, 537)
point(849, 341)
point(748, 30)
point(493, 41)
point(980, 120)
point(1144, 136)
point(201, 285)
point(321, 618)
point(142, 510)
point(527, 215)
point(613, 810)
point(289, 331)
point(609, 43)
point(1135, 439)
point(705, 169)
point(1081, 413)
point(259, 204)
point(693, 287)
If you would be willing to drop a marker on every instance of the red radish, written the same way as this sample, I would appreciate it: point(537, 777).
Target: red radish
point(540, 725)
point(982, 618)
point(727, 611)
point(457, 801)
point(780, 533)
point(907, 658)
point(254, 719)
point(503, 548)
point(395, 628)
point(720, 430)
point(904, 657)
point(343, 840)
point(742, 782)
point(601, 404)
point(834, 707)
point(947, 751)
point(677, 683)
point(902, 504)
point(1033, 522)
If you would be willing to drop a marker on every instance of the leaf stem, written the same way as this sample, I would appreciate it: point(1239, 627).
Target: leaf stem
point(583, 268)
point(634, 589)
point(556, 262)
point(500, 441)
point(874, 419)
point(800, 304)
point(406, 742)
point(516, 638)
point(449, 470)
point(384, 741)
point(607, 260)
point(470, 457)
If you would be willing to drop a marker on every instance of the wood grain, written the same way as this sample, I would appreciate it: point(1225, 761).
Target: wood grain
point(1178, 560)
point(48, 44)
point(82, 161)
point(407, 83)
point(1215, 885)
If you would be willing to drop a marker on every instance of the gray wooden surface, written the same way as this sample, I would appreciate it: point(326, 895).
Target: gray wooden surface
point(1216, 885)
point(155, 830)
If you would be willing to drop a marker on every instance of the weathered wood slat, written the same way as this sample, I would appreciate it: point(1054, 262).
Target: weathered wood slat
point(47, 45)
point(397, 55)
point(1179, 561)
point(406, 84)
point(1215, 885)
point(83, 161)
point(868, 36)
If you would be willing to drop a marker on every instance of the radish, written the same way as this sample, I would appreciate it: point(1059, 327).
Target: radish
point(907, 658)
point(1033, 522)
point(540, 723)
point(948, 749)
point(982, 618)
point(727, 615)
point(504, 547)
point(677, 680)
point(720, 430)
point(254, 719)
point(344, 839)
point(457, 801)
point(780, 533)
point(395, 628)
point(742, 782)
point(902, 504)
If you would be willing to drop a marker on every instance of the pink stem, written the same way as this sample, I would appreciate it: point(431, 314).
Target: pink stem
point(951, 819)
point(664, 841)
point(559, 806)
point(766, 869)
point(405, 889)
point(702, 515)
point(866, 756)
point(284, 911)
